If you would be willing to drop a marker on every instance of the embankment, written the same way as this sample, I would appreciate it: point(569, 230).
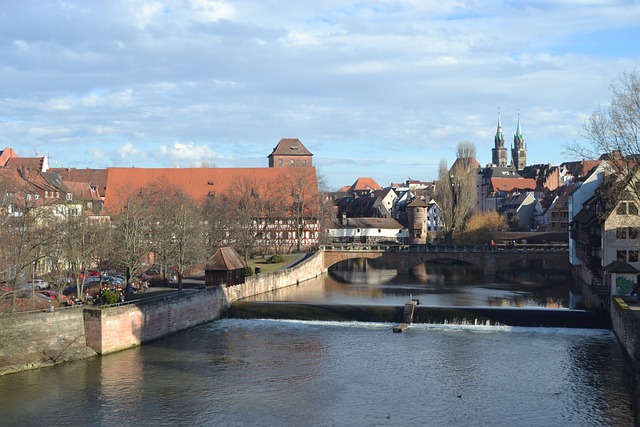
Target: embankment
point(37, 339)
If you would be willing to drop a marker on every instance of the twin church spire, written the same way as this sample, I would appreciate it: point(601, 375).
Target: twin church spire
point(518, 150)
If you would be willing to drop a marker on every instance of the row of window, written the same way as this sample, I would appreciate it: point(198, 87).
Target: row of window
point(627, 233)
point(629, 256)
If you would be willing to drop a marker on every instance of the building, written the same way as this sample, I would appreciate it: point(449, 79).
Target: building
point(289, 152)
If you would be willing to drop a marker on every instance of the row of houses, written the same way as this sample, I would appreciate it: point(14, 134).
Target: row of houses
point(532, 199)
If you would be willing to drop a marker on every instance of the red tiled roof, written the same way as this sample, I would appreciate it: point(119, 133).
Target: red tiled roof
point(196, 182)
point(508, 184)
point(82, 190)
point(33, 163)
point(363, 184)
point(95, 177)
point(7, 154)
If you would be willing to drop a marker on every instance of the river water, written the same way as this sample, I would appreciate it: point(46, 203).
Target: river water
point(290, 373)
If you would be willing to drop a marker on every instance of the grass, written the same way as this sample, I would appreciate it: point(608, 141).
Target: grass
point(265, 267)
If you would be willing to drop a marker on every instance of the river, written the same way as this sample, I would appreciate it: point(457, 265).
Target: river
point(291, 373)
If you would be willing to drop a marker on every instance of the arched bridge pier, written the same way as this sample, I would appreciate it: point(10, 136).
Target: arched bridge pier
point(489, 259)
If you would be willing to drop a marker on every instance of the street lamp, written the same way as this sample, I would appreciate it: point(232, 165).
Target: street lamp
point(33, 283)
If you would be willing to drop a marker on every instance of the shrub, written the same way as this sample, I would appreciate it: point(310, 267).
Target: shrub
point(248, 271)
point(110, 297)
point(275, 259)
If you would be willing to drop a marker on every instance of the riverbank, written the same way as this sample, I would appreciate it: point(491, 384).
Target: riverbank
point(38, 339)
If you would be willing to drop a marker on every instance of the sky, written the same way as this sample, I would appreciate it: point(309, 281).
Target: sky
point(382, 89)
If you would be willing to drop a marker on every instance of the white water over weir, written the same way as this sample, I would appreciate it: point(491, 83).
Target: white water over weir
point(493, 316)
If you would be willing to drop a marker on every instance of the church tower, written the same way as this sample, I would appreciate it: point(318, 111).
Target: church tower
point(499, 152)
point(519, 149)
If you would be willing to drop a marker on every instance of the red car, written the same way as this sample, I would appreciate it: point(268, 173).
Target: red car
point(51, 294)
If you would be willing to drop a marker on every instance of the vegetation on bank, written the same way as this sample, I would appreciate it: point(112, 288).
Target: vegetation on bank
point(271, 263)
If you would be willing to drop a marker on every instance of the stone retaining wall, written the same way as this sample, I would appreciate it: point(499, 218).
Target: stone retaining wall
point(110, 329)
point(33, 340)
point(254, 285)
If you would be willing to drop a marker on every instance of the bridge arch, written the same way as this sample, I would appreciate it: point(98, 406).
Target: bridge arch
point(404, 258)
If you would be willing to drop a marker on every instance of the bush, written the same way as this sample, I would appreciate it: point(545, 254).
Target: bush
point(275, 259)
point(110, 297)
point(248, 271)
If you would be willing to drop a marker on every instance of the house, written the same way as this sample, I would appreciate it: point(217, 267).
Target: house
point(495, 184)
point(363, 186)
point(225, 267)
point(520, 209)
point(364, 230)
point(289, 152)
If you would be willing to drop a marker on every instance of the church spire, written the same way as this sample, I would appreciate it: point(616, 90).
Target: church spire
point(519, 150)
point(499, 139)
point(518, 129)
point(499, 152)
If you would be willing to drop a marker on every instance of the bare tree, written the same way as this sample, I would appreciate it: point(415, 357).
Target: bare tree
point(187, 243)
point(216, 221)
point(456, 192)
point(132, 234)
point(612, 132)
point(301, 200)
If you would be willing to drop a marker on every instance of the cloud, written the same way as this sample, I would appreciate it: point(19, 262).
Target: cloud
point(376, 80)
point(188, 154)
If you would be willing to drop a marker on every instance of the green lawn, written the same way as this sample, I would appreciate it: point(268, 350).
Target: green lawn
point(265, 267)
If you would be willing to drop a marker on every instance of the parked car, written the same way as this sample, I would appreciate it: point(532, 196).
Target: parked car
point(36, 284)
point(50, 294)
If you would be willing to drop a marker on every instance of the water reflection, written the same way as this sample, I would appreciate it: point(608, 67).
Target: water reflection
point(363, 282)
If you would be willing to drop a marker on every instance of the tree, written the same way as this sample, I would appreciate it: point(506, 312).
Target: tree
point(612, 132)
point(301, 200)
point(27, 230)
point(483, 226)
point(456, 190)
point(132, 234)
point(186, 245)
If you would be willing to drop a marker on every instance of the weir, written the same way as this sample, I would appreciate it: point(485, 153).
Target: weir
point(489, 316)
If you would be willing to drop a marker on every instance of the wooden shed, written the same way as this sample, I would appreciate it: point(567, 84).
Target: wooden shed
point(224, 267)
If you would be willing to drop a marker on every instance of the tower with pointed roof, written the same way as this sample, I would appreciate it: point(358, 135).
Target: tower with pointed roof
point(289, 152)
point(519, 149)
point(499, 152)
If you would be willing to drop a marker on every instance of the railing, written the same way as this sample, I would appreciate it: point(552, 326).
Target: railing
point(448, 248)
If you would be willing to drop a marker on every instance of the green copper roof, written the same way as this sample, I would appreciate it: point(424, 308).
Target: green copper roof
point(518, 129)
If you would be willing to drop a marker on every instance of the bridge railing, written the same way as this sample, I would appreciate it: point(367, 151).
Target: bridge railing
point(515, 247)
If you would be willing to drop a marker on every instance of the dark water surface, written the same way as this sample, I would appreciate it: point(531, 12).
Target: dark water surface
point(292, 373)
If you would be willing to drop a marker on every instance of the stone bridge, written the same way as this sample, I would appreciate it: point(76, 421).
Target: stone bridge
point(490, 260)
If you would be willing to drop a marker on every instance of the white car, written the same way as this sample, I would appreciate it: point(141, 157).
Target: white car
point(36, 284)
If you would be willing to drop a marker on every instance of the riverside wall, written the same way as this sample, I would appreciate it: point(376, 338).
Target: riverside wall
point(311, 268)
point(32, 340)
point(111, 329)
point(38, 339)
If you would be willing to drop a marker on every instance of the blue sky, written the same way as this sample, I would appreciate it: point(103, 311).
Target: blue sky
point(381, 89)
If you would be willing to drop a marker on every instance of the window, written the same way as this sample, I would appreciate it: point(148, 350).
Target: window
point(293, 162)
point(633, 256)
point(304, 162)
point(633, 233)
point(627, 208)
point(621, 255)
point(279, 162)
point(621, 233)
